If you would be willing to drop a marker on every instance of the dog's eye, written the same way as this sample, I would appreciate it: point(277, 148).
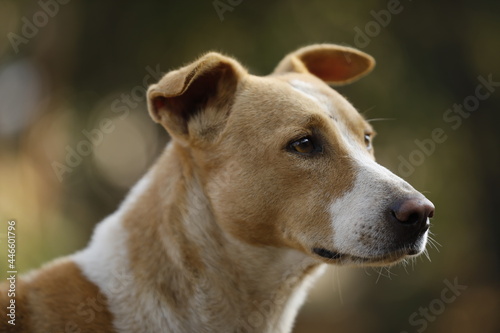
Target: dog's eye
point(368, 141)
point(305, 145)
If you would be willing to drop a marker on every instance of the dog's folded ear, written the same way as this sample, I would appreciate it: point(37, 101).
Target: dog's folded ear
point(194, 101)
point(334, 64)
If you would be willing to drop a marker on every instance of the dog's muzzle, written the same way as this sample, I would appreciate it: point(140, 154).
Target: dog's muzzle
point(400, 233)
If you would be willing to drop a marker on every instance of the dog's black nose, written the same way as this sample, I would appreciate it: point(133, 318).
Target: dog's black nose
point(412, 212)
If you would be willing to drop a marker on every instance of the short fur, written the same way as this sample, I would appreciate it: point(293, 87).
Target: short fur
point(222, 233)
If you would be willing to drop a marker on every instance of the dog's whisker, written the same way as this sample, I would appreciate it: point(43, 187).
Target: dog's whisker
point(432, 245)
point(405, 266)
point(435, 243)
point(412, 261)
point(379, 119)
point(426, 254)
point(384, 272)
point(379, 275)
point(339, 287)
point(368, 110)
point(389, 273)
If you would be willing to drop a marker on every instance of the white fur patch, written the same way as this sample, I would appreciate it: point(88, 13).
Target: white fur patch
point(105, 261)
point(297, 299)
point(363, 207)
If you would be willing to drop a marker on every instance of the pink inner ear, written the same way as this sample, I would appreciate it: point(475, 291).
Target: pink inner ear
point(335, 66)
point(332, 70)
point(159, 102)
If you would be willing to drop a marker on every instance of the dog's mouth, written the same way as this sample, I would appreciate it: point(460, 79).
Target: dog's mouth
point(343, 258)
point(327, 253)
point(390, 256)
point(390, 253)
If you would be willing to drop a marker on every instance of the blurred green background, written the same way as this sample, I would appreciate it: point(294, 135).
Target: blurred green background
point(65, 69)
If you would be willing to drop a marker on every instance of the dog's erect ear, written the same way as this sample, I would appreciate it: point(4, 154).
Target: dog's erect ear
point(333, 64)
point(203, 89)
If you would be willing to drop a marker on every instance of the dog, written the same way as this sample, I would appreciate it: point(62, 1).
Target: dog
point(264, 181)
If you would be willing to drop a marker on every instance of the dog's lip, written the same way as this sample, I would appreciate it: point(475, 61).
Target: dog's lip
point(322, 252)
point(392, 254)
point(390, 257)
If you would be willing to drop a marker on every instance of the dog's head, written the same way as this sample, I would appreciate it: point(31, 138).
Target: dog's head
point(286, 161)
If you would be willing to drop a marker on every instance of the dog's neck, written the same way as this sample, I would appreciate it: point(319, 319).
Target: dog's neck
point(198, 277)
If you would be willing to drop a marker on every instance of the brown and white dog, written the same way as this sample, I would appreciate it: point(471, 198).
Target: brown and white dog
point(265, 180)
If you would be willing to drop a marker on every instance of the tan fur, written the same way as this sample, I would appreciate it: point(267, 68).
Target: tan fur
point(220, 234)
point(275, 218)
point(59, 299)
